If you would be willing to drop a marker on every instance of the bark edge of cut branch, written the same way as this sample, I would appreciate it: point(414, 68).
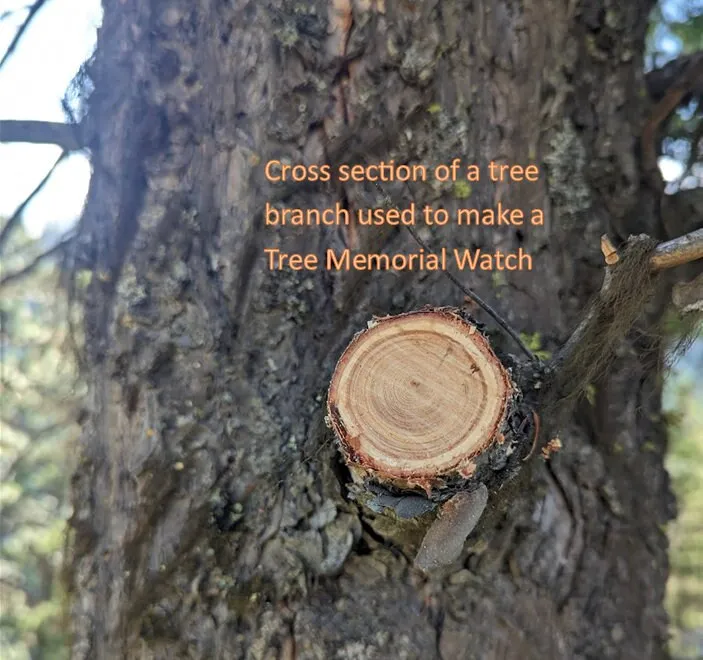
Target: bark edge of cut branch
point(417, 398)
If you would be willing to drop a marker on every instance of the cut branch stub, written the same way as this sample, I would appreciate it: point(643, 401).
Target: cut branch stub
point(416, 397)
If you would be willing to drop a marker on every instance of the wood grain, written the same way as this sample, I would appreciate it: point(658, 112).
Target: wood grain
point(416, 396)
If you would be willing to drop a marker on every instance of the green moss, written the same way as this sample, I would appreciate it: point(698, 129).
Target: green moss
point(498, 279)
point(591, 394)
point(287, 35)
point(534, 343)
point(462, 189)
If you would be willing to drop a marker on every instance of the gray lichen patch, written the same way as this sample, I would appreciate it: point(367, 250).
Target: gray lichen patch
point(566, 172)
point(324, 515)
point(339, 540)
point(419, 63)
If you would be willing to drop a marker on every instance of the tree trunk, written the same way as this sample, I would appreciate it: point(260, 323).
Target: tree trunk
point(212, 514)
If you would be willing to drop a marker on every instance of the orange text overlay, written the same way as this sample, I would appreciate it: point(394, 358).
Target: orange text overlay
point(339, 215)
point(346, 260)
point(277, 171)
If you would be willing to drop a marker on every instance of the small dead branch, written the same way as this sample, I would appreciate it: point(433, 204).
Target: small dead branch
point(608, 250)
point(66, 136)
point(22, 29)
point(659, 81)
point(678, 251)
point(627, 285)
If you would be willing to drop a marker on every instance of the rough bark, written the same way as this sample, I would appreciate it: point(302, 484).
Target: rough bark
point(211, 511)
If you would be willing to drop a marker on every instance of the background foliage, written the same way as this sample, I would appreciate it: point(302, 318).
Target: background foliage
point(685, 465)
point(39, 393)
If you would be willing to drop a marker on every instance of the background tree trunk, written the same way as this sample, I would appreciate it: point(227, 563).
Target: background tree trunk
point(211, 517)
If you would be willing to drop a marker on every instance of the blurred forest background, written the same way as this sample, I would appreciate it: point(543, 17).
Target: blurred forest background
point(41, 395)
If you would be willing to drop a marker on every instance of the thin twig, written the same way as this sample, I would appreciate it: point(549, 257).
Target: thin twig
point(34, 264)
point(479, 301)
point(17, 215)
point(466, 290)
point(22, 29)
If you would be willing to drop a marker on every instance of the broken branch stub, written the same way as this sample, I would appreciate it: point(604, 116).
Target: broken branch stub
point(416, 399)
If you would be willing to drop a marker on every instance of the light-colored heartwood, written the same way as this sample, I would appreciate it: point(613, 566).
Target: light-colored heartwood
point(416, 396)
